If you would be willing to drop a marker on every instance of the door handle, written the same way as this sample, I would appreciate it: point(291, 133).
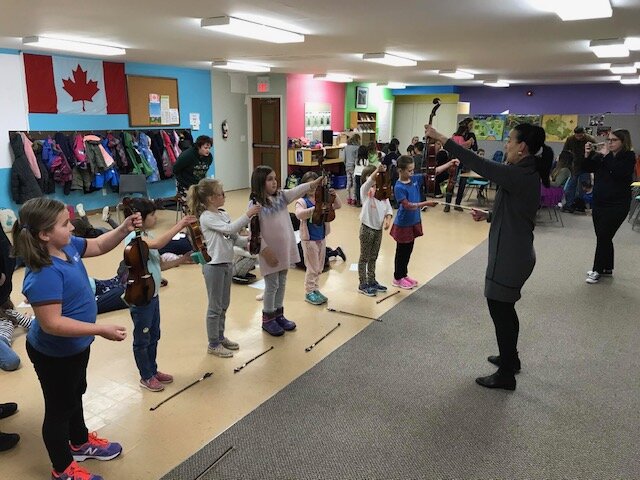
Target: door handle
point(265, 145)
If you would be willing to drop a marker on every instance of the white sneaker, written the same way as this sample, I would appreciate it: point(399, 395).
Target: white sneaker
point(219, 351)
point(592, 277)
point(105, 213)
point(80, 210)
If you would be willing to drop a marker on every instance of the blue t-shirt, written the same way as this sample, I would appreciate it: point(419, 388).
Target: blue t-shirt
point(65, 282)
point(410, 191)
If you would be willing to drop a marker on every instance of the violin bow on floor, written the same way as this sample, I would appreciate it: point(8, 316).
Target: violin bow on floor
point(461, 206)
point(205, 376)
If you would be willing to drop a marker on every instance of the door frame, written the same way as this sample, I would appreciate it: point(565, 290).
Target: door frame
point(283, 136)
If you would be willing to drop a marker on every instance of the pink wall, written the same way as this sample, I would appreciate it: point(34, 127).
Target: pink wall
point(303, 88)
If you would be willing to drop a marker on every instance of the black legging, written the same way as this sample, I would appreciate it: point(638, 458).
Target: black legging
point(505, 319)
point(461, 184)
point(403, 254)
point(606, 222)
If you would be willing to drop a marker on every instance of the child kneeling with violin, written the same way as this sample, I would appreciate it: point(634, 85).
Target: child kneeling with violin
point(376, 214)
point(146, 318)
point(313, 240)
point(206, 199)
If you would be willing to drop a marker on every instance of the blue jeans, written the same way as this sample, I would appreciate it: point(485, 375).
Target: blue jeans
point(9, 360)
point(111, 300)
point(574, 187)
point(146, 333)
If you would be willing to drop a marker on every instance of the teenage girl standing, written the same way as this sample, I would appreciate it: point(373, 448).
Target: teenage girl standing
point(57, 286)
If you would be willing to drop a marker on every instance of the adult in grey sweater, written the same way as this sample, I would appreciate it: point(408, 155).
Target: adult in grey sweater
point(511, 253)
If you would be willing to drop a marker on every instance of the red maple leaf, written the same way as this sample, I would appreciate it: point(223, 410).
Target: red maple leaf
point(79, 89)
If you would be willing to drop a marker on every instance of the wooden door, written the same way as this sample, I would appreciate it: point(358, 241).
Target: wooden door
point(265, 113)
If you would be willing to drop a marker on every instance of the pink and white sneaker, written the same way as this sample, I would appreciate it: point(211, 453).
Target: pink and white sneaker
point(402, 283)
point(413, 282)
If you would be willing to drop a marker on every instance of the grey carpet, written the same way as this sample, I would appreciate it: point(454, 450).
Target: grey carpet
point(399, 400)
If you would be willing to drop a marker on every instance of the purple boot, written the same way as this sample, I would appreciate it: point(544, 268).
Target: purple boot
point(287, 325)
point(271, 325)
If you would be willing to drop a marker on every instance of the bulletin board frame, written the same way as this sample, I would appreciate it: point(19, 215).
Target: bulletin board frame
point(138, 89)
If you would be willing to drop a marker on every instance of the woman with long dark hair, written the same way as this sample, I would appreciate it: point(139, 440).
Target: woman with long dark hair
point(511, 253)
point(613, 173)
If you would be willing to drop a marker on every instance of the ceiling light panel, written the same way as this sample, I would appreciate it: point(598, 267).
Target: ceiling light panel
point(457, 74)
point(609, 48)
point(630, 80)
point(394, 85)
point(334, 77)
point(240, 66)
point(622, 68)
point(73, 46)
point(497, 84)
point(632, 43)
point(569, 10)
point(388, 59)
point(245, 28)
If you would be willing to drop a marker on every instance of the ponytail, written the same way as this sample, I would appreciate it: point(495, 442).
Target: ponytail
point(543, 164)
point(198, 194)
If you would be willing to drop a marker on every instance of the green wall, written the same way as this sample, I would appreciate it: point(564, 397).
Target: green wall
point(376, 95)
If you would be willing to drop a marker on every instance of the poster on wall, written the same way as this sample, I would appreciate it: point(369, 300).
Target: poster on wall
point(513, 120)
point(155, 112)
point(488, 127)
point(317, 117)
point(559, 127)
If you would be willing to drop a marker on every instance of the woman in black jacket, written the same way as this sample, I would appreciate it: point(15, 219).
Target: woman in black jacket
point(613, 174)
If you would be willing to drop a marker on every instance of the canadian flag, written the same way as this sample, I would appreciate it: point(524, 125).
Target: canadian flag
point(74, 85)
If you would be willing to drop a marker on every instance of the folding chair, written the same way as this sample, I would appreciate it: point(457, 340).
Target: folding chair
point(131, 184)
point(550, 198)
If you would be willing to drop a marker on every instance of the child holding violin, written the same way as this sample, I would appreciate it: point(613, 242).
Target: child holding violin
point(313, 240)
point(376, 214)
point(205, 200)
point(58, 343)
point(146, 318)
point(277, 243)
point(407, 225)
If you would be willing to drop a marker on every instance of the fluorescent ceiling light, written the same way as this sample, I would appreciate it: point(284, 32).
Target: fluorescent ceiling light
point(240, 66)
point(457, 74)
point(387, 59)
point(609, 48)
point(73, 46)
point(497, 84)
point(630, 80)
point(395, 85)
point(632, 43)
point(334, 77)
point(247, 29)
point(569, 10)
point(619, 68)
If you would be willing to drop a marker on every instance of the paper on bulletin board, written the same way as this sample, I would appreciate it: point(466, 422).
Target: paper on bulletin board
point(174, 116)
point(194, 121)
point(154, 109)
point(164, 110)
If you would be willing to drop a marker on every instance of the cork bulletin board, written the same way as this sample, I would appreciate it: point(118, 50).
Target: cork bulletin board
point(139, 90)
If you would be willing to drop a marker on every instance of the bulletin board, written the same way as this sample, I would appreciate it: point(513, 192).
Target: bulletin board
point(139, 90)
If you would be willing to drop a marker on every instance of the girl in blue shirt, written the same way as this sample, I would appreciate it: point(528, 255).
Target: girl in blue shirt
point(57, 286)
point(407, 225)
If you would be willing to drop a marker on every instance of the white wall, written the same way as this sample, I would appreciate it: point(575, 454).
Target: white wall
point(232, 165)
point(13, 103)
point(409, 120)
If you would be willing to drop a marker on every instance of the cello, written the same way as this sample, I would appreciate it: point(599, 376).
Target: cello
point(140, 287)
point(254, 226)
point(430, 154)
point(324, 199)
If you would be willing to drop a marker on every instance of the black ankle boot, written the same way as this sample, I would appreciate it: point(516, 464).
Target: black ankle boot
point(495, 359)
point(500, 379)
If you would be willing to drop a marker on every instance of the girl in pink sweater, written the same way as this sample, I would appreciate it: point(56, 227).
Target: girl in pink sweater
point(278, 245)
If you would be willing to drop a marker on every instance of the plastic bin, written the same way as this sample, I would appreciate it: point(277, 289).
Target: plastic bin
point(339, 182)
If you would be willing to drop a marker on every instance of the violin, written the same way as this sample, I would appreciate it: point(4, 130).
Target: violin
point(140, 287)
point(196, 237)
point(383, 185)
point(323, 211)
point(430, 153)
point(254, 226)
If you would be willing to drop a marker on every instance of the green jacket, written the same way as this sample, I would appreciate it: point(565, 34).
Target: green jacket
point(191, 167)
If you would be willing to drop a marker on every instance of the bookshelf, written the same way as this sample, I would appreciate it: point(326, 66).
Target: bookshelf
point(364, 123)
